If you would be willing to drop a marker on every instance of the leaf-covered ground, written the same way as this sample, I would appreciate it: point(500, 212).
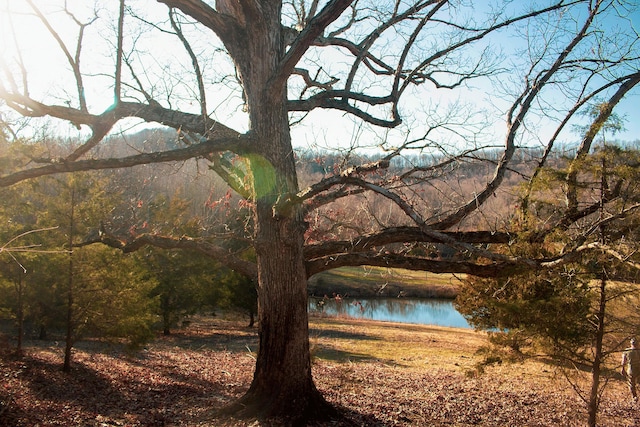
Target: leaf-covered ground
point(376, 374)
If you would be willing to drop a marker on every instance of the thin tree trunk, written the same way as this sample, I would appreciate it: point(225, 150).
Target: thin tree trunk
point(69, 337)
point(252, 319)
point(594, 395)
point(165, 307)
point(20, 313)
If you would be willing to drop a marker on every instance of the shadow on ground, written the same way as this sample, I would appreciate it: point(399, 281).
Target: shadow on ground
point(35, 391)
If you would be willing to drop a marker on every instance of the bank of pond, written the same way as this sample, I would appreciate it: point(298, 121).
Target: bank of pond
point(426, 311)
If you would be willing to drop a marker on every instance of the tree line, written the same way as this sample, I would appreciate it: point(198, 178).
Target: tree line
point(54, 281)
point(54, 284)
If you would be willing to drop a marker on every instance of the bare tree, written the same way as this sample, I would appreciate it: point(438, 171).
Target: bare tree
point(280, 64)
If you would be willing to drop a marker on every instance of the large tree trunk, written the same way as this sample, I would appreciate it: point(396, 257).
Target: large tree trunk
point(282, 384)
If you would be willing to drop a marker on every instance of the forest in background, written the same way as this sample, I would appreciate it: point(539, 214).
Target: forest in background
point(95, 290)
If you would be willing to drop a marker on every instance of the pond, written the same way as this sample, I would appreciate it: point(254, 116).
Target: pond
point(404, 310)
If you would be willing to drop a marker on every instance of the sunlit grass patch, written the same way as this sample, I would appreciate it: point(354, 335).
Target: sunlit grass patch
point(412, 346)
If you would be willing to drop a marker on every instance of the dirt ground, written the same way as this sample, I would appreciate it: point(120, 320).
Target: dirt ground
point(377, 374)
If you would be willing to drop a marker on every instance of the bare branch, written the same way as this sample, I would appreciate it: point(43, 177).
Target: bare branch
point(624, 213)
point(203, 13)
point(313, 82)
point(203, 149)
point(585, 145)
point(74, 61)
point(218, 253)
point(376, 65)
point(366, 45)
point(479, 34)
point(150, 113)
point(327, 183)
point(431, 231)
point(332, 11)
point(515, 119)
point(7, 248)
point(119, 54)
point(194, 62)
point(625, 259)
point(576, 253)
point(410, 263)
point(550, 144)
point(399, 235)
point(328, 99)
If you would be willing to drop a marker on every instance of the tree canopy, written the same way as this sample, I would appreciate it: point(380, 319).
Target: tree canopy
point(435, 86)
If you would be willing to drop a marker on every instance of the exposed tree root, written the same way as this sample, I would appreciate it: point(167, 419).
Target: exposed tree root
point(301, 411)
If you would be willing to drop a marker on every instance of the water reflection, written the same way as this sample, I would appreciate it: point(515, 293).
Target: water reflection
point(406, 310)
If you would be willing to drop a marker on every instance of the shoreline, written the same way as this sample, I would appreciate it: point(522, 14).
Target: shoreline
point(359, 282)
point(389, 290)
point(346, 293)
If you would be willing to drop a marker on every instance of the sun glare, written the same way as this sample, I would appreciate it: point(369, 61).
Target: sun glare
point(37, 45)
point(31, 44)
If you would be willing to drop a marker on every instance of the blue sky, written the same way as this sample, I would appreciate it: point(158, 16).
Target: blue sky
point(321, 127)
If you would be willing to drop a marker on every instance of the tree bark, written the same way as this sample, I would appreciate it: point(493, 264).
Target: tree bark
point(282, 385)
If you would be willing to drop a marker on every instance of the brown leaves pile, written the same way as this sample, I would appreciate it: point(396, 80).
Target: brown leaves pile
point(181, 380)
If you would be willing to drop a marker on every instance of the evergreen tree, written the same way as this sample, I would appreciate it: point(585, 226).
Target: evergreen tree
point(580, 312)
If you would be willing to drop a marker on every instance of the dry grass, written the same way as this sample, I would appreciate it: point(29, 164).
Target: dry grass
point(377, 374)
point(378, 281)
point(406, 345)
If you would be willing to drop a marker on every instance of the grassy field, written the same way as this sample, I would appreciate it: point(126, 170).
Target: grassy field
point(378, 281)
point(396, 344)
point(376, 374)
point(422, 375)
